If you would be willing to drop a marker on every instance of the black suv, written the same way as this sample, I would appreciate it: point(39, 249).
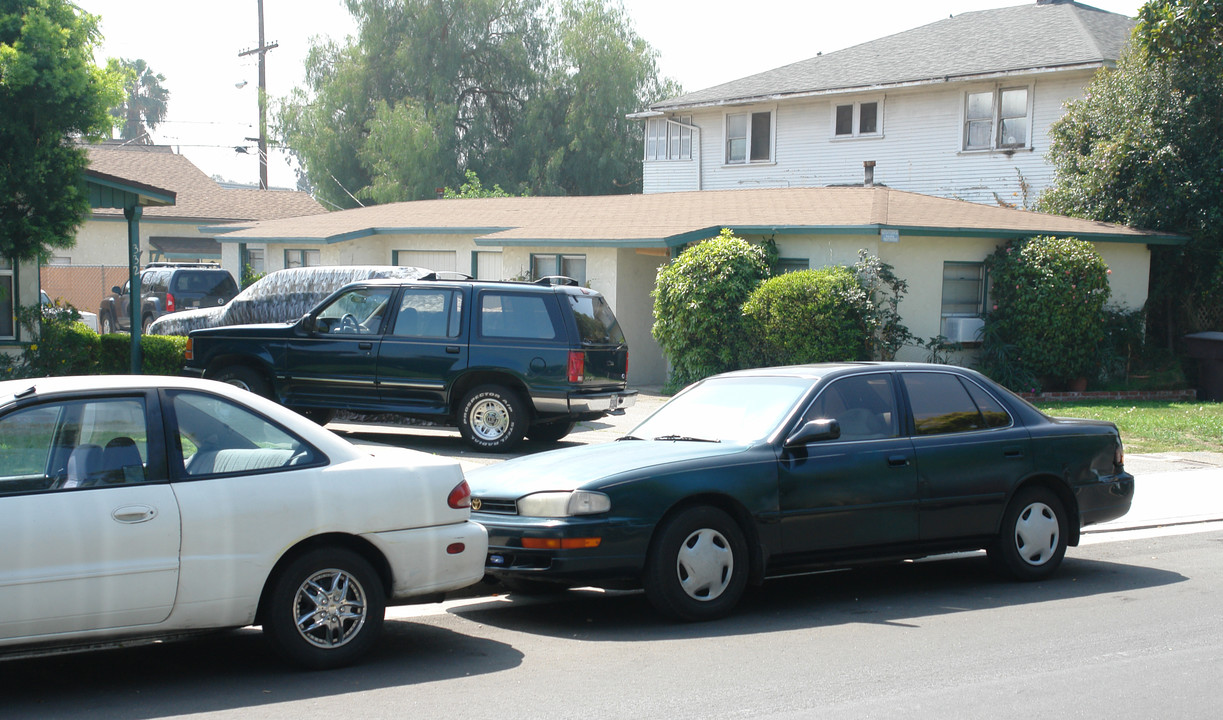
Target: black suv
point(501, 360)
point(167, 288)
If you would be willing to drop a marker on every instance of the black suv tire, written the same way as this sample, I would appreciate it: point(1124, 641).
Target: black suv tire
point(492, 418)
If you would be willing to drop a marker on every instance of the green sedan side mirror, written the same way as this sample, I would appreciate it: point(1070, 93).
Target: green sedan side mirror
point(815, 431)
point(307, 324)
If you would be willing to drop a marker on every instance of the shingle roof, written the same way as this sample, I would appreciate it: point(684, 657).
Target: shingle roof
point(1004, 40)
point(672, 219)
point(198, 197)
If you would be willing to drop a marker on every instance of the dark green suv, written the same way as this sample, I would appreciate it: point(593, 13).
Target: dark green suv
point(501, 360)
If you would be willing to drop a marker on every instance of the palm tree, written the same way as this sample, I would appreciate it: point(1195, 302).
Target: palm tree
point(145, 104)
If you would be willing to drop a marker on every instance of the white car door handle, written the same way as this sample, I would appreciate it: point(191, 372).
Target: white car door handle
point(132, 514)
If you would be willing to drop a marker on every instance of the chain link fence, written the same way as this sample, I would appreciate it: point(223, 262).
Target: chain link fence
point(82, 286)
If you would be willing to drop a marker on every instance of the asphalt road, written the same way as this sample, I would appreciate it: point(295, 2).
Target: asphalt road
point(1129, 628)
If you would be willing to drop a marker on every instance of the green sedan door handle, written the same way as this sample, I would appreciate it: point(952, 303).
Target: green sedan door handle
point(1012, 453)
point(898, 461)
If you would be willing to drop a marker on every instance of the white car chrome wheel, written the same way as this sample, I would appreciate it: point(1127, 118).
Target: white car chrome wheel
point(330, 608)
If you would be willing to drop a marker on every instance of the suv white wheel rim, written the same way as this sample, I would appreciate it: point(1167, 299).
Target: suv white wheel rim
point(329, 609)
point(1036, 533)
point(705, 564)
point(490, 419)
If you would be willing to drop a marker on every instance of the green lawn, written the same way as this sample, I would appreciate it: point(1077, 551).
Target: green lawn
point(1153, 426)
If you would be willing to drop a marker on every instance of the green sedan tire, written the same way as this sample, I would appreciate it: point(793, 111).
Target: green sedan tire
point(698, 565)
point(1032, 541)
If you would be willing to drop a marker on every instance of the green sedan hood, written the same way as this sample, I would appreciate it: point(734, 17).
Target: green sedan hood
point(590, 466)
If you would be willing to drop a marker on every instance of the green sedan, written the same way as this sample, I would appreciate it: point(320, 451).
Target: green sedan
point(779, 470)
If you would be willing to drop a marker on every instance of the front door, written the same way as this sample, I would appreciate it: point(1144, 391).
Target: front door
point(89, 526)
point(423, 350)
point(859, 490)
point(336, 365)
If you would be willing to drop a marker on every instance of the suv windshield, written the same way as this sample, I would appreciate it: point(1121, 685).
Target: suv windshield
point(596, 323)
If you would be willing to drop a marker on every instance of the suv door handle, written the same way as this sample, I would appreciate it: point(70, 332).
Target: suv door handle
point(452, 349)
point(898, 460)
point(365, 345)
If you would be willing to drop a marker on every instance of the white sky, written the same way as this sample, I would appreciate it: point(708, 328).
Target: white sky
point(195, 45)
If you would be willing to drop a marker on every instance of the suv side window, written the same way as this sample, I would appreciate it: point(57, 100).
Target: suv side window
point(428, 313)
point(517, 316)
point(359, 311)
point(942, 405)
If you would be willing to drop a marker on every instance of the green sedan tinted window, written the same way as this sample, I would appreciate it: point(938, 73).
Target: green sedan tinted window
point(941, 404)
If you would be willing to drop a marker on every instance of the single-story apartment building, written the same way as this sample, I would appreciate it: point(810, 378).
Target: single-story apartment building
point(615, 244)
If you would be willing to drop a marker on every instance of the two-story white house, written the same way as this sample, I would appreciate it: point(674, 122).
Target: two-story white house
point(959, 108)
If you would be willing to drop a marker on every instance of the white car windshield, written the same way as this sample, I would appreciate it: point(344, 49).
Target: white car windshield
point(733, 409)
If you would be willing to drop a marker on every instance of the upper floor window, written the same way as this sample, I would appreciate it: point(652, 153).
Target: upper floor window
point(749, 137)
point(857, 119)
point(997, 119)
point(669, 139)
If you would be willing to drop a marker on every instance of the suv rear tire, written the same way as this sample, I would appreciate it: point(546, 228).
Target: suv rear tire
point(492, 418)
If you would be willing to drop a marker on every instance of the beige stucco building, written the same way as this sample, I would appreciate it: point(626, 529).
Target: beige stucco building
point(615, 244)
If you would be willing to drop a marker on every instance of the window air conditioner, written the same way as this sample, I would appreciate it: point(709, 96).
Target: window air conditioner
point(963, 329)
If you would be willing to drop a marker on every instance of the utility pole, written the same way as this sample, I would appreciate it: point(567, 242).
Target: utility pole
point(263, 99)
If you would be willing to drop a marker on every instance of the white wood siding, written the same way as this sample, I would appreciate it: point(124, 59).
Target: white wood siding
point(919, 150)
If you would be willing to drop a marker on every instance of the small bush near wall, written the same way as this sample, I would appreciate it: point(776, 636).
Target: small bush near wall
point(1047, 310)
point(698, 301)
point(808, 316)
point(64, 346)
point(160, 354)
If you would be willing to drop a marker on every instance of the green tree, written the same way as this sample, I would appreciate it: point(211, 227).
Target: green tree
point(51, 94)
point(698, 307)
point(577, 138)
point(473, 188)
point(144, 102)
point(1144, 147)
point(529, 97)
point(435, 84)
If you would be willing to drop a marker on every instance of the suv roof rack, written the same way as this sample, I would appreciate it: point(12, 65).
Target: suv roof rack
point(551, 280)
point(450, 275)
point(159, 264)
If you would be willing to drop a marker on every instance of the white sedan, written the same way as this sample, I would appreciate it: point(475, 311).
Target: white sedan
point(146, 507)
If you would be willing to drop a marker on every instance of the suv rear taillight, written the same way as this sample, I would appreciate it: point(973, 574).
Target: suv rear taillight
point(460, 496)
point(577, 366)
point(169, 302)
point(189, 351)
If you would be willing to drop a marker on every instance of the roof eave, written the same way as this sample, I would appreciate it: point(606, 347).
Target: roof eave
point(878, 87)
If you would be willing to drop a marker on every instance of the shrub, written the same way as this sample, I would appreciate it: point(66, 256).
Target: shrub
point(159, 354)
point(884, 291)
point(698, 301)
point(64, 346)
point(808, 316)
point(1048, 296)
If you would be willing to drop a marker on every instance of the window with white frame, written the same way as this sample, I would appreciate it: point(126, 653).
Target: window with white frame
point(8, 320)
point(963, 289)
point(749, 137)
point(857, 119)
point(573, 266)
point(254, 260)
point(669, 138)
point(435, 260)
point(997, 119)
point(302, 258)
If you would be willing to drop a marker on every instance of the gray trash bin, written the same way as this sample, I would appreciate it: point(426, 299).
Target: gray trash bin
point(1207, 349)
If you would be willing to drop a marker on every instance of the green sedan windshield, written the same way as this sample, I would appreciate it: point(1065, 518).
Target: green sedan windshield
point(733, 409)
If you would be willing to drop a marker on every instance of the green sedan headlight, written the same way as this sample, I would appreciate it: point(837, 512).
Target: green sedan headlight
point(564, 504)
